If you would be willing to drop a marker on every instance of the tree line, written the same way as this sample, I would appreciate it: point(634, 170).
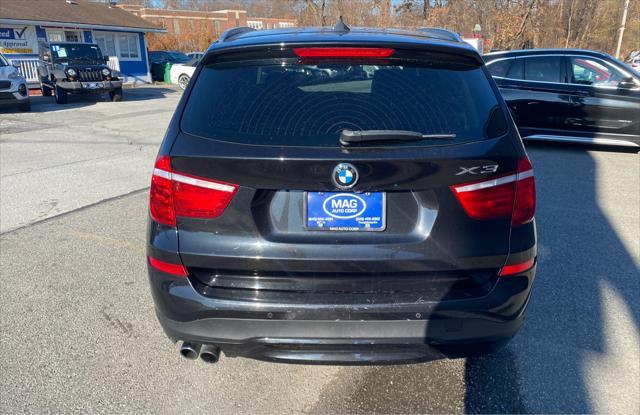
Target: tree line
point(504, 24)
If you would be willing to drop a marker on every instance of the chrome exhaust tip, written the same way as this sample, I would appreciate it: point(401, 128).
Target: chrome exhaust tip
point(210, 353)
point(190, 351)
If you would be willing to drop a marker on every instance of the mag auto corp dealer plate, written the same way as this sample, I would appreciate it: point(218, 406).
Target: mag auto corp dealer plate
point(333, 211)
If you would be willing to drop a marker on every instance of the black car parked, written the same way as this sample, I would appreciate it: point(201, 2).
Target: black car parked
point(76, 68)
point(569, 95)
point(159, 59)
point(375, 208)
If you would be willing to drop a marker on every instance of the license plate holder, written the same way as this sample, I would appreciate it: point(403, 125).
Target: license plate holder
point(93, 85)
point(345, 212)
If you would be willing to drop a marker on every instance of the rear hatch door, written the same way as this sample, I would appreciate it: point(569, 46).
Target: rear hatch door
point(272, 128)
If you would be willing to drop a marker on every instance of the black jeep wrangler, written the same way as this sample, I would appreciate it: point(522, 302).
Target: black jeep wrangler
point(76, 68)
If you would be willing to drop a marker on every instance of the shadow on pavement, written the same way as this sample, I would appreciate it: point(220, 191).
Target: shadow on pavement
point(545, 369)
point(434, 387)
point(492, 384)
point(149, 92)
point(582, 262)
point(486, 384)
point(48, 104)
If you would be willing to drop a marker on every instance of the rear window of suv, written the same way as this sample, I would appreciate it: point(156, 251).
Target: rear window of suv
point(292, 104)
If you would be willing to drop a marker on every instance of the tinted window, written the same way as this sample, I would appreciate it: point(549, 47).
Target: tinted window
point(178, 56)
point(65, 51)
point(516, 71)
point(543, 68)
point(157, 56)
point(500, 68)
point(595, 72)
point(193, 62)
point(307, 105)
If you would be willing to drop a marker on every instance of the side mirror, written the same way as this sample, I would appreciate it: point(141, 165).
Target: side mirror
point(15, 64)
point(627, 83)
point(46, 57)
point(105, 58)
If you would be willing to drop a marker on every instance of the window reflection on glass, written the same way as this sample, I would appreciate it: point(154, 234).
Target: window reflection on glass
point(594, 72)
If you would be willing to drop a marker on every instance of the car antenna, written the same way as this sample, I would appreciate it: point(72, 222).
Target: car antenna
point(340, 26)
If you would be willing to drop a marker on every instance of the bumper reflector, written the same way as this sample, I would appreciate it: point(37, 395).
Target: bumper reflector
point(166, 267)
point(516, 268)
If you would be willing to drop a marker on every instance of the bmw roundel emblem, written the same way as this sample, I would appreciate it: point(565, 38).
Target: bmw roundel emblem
point(344, 176)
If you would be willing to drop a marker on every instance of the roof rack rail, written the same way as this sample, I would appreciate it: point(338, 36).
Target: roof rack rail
point(231, 33)
point(440, 33)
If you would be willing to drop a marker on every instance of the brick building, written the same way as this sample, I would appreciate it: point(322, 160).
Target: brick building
point(178, 22)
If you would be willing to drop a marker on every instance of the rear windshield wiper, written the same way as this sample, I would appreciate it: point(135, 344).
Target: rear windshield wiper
point(348, 137)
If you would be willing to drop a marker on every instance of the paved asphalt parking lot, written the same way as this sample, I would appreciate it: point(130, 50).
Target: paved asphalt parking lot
point(78, 331)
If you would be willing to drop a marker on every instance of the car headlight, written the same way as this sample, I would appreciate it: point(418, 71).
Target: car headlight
point(13, 75)
point(106, 72)
point(71, 72)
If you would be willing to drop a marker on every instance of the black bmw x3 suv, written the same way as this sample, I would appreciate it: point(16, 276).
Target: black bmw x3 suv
point(344, 197)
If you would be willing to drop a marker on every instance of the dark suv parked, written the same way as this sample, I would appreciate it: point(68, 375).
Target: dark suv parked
point(159, 60)
point(341, 196)
point(76, 68)
point(569, 95)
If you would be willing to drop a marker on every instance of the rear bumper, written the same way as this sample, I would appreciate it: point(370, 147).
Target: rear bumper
point(346, 334)
point(346, 342)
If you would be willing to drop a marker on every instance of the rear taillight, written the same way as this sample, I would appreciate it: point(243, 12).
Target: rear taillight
point(514, 269)
point(167, 267)
point(343, 52)
point(161, 193)
point(524, 206)
point(178, 194)
point(510, 195)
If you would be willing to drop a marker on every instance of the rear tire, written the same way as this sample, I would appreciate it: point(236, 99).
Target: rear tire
point(25, 107)
point(116, 95)
point(46, 91)
point(183, 81)
point(61, 95)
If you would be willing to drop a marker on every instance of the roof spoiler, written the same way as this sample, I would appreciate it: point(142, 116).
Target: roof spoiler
point(236, 31)
point(440, 33)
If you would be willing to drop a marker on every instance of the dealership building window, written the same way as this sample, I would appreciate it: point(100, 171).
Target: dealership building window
point(107, 43)
point(56, 35)
point(123, 45)
point(72, 36)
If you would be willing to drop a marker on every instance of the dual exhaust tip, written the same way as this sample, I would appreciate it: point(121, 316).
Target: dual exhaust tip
point(207, 352)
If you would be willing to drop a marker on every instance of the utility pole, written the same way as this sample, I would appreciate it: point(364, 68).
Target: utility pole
point(624, 21)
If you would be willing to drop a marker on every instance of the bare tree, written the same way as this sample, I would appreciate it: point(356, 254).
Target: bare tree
point(591, 24)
